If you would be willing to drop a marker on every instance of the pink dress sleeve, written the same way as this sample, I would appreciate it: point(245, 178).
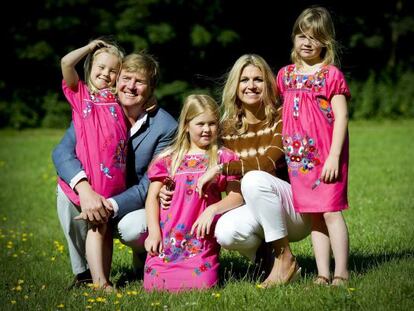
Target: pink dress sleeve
point(158, 170)
point(337, 84)
point(76, 98)
point(279, 82)
point(226, 155)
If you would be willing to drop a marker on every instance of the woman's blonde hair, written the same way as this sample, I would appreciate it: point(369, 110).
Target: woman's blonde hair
point(233, 118)
point(193, 106)
point(318, 22)
point(112, 49)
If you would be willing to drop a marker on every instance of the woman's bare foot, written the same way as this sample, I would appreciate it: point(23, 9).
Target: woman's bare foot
point(285, 270)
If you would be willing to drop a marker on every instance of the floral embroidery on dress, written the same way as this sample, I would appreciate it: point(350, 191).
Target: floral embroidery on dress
point(87, 111)
point(326, 108)
point(121, 154)
point(203, 268)
point(163, 223)
point(300, 153)
point(150, 270)
point(105, 170)
point(296, 107)
point(112, 110)
point(180, 245)
point(193, 163)
point(103, 96)
point(296, 80)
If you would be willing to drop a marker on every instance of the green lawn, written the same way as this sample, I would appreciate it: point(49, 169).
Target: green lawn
point(35, 268)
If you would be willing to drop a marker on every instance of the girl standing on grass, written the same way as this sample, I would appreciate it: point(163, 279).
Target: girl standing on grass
point(315, 138)
point(182, 250)
point(101, 140)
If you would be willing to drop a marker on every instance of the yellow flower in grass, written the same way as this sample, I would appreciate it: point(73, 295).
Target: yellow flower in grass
point(91, 300)
point(18, 288)
point(60, 306)
point(20, 281)
point(260, 286)
point(216, 295)
point(100, 299)
point(116, 302)
point(88, 307)
point(119, 295)
point(156, 303)
point(13, 302)
point(85, 294)
point(26, 297)
point(53, 258)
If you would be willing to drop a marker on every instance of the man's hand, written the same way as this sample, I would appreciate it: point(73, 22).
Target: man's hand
point(94, 207)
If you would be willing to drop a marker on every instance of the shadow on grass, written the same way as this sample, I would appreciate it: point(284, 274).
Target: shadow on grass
point(234, 267)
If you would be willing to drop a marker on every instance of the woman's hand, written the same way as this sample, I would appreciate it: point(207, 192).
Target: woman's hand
point(202, 225)
point(330, 170)
point(165, 197)
point(207, 177)
point(153, 244)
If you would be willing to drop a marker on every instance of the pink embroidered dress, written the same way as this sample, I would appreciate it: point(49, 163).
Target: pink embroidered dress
point(307, 136)
point(186, 262)
point(101, 140)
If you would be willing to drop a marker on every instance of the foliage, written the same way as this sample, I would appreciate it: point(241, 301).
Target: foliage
point(387, 95)
point(36, 271)
point(191, 40)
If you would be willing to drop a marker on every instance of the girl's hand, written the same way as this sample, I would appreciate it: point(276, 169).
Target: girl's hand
point(207, 177)
point(330, 170)
point(153, 244)
point(97, 44)
point(202, 225)
point(165, 197)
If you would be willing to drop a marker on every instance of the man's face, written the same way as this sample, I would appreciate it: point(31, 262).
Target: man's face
point(133, 88)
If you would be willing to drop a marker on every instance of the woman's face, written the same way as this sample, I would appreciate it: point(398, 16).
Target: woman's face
point(251, 86)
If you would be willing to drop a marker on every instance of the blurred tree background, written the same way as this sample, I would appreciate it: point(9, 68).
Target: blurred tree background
point(196, 43)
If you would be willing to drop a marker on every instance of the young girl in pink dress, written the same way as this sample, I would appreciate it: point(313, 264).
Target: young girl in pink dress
point(101, 140)
point(182, 251)
point(315, 138)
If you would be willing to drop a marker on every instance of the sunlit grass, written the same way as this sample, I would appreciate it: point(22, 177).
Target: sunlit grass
point(35, 269)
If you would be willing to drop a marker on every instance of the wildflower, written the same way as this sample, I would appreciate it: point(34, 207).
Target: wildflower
point(156, 303)
point(91, 300)
point(13, 302)
point(119, 295)
point(100, 299)
point(85, 294)
point(259, 286)
point(88, 307)
point(216, 295)
point(60, 306)
point(26, 297)
point(20, 281)
point(18, 288)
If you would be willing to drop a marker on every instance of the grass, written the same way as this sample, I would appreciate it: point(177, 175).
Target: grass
point(35, 267)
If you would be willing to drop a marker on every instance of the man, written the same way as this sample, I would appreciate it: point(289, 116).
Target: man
point(152, 129)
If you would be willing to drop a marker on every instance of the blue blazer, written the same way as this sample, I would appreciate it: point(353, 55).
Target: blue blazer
point(153, 136)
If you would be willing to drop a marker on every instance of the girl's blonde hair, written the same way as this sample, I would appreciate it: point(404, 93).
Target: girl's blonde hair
point(233, 118)
point(193, 106)
point(318, 22)
point(113, 49)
